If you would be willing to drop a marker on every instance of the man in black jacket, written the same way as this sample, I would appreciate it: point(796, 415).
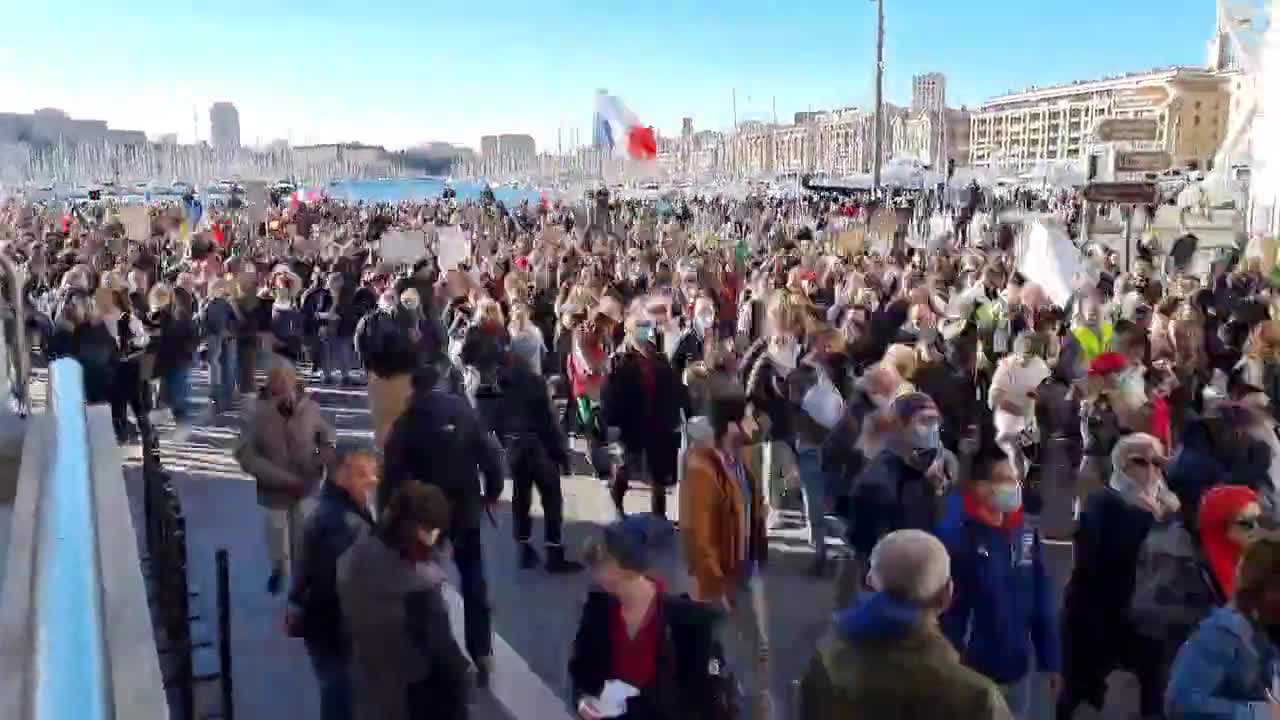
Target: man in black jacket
point(515, 404)
point(440, 440)
point(340, 518)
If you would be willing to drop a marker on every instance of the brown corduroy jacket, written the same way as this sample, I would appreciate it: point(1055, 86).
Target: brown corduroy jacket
point(712, 510)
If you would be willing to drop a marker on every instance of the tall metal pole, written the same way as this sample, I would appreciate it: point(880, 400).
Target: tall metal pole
point(879, 138)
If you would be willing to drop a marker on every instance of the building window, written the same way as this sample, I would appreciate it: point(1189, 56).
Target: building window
point(1197, 121)
point(1197, 104)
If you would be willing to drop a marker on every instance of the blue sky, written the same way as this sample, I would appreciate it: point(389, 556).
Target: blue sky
point(400, 73)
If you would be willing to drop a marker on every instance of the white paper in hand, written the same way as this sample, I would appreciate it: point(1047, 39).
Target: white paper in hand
point(613, 699)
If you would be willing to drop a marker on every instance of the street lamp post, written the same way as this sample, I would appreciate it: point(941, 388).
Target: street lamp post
point(879, 123)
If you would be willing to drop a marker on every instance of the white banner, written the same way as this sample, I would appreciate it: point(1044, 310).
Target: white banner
point(1051, 261)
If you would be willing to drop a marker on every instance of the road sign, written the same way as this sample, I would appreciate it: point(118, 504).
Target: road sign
point(1140, 98)
point(1127, 130)
point(1122, 192)
point(1143, 161)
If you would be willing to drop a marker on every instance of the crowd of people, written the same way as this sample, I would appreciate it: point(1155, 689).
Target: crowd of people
point(939, 417)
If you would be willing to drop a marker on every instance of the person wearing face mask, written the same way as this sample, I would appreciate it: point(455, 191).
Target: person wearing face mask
point(405, 662)
point(1003, 610)
point(643, 398)
point(818, 406)
point(1228, 667)
point(689, 347)
point(388, 342)
point(343, 515)
point(1012, 399)
point(284, 447)
point(901, 487)
point(1099, 634)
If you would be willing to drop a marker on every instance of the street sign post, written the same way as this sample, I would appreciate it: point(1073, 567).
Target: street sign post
point(1140, 98)
point(1127, 130)
point(1143, 161)
point(1125, 193)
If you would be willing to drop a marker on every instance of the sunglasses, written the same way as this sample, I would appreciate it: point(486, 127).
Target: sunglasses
point(1143, 462)
point(1247, 524)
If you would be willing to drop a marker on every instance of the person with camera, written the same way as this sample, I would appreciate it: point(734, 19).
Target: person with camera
point(514, 403)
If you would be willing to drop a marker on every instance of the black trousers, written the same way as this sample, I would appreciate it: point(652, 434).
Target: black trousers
point(1120, 647)
point(656, 458)
point(477, 620)
point(532, 467)
point(128, 392)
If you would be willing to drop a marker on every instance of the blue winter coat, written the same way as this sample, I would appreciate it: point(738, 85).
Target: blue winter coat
point(1004, 599)
point(1223, 671)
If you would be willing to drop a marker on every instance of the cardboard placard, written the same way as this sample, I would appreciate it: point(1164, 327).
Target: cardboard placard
point(136, 220)
point(852, 241)
point(404, 246)
point(452, 248)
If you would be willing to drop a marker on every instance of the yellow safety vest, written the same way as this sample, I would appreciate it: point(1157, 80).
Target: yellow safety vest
point(1090, 346)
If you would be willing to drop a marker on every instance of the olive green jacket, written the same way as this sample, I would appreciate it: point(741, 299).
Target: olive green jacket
point(917, 676)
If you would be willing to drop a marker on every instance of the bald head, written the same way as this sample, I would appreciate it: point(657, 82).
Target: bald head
point(911, 565)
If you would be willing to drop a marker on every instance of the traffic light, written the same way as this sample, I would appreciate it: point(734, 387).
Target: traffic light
point(951, 167)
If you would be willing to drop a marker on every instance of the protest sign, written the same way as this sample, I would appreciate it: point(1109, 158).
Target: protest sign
point(137, 222)
point(851, 242)
point(453, 247)
point(404, 246)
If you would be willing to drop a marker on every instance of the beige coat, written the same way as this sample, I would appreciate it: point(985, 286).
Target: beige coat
point(286, 456)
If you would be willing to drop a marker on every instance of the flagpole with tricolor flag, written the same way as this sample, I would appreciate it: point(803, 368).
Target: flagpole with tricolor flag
point(618, 129)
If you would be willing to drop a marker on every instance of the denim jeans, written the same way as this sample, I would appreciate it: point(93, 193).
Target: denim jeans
point(813, 486)
point(333, 676)
point(222, 369)
point(175, 388)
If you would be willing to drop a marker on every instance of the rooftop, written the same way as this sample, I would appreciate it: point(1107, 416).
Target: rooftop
point(1110, 81)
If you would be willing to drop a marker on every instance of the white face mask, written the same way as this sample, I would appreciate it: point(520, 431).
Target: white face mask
point(785, 356)
point(823, 403)
point(1133, 389)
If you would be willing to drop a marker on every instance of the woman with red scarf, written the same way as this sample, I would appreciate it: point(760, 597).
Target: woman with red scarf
point(633, 632)
point(1229, 519)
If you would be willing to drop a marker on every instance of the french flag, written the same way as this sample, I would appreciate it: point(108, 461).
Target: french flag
point(615, 125)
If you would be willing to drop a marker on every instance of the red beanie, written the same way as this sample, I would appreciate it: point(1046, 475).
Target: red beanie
point(1217, 508)
point(1107, 363)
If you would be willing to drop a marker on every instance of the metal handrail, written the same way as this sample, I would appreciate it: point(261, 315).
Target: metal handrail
point(70, 661)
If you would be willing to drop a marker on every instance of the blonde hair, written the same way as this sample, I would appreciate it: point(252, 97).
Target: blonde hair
point(486, 307)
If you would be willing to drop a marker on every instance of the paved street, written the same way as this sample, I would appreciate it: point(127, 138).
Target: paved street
point(535, 614)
